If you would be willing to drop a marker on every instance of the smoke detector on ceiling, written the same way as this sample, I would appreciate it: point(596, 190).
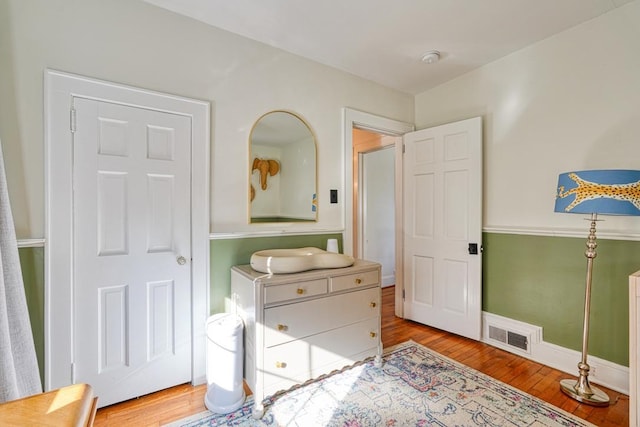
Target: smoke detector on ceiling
point(431, 57)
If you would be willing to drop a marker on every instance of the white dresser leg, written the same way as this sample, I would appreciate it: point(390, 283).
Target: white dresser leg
point(377, 361)
point(258, 410)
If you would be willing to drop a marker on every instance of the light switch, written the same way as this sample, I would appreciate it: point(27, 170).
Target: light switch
point(333, 196)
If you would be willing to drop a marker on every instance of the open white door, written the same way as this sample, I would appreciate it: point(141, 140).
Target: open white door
point(442, 198)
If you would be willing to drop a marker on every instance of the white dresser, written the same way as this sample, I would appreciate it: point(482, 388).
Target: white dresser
point(634, 349)
point(302, 325)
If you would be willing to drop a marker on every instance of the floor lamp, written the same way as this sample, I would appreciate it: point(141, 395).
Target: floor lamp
point(594, 192)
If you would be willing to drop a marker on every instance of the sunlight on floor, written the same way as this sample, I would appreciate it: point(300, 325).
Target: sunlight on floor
point(320, 404)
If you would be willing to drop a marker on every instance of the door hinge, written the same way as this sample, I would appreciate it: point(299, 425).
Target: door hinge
point(72, 120)
point(404, 148)
point(403, 294)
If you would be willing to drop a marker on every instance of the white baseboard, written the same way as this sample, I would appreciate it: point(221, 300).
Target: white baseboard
point(199, 380)
point(603, 372)
point(388, 280)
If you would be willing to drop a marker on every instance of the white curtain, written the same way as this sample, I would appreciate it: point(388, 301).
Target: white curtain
point(19, 374)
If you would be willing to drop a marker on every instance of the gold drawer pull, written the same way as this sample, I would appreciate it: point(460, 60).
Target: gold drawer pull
point(358, 281)
point(300, 291)
point(373, 334)
point(281, 365)
point(282, 327)
point(372, 304)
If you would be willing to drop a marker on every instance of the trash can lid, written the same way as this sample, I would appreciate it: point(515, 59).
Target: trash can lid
point(224, 323)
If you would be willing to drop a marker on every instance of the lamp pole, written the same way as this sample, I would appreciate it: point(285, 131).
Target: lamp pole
point(582, 390)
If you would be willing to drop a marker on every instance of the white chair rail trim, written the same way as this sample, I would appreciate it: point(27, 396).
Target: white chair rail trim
point(31, 243)
point(562, 232)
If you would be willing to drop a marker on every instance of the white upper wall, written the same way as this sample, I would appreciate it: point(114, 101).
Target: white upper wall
point(570, 102)
point(134, 43)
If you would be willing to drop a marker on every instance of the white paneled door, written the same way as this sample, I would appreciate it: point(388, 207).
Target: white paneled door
point(132, 249)
point(442, 191)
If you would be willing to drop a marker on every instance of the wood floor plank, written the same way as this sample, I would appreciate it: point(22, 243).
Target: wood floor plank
point(538, 380)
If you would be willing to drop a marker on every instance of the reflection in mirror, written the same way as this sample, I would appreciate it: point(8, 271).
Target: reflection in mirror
point(282, 167)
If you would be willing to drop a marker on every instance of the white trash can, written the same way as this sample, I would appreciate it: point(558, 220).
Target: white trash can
point(224, 363)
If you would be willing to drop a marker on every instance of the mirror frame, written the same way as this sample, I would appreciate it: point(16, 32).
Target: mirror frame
point(314, 140)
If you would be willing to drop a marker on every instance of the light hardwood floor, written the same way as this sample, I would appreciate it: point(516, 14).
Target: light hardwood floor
point(536, 379)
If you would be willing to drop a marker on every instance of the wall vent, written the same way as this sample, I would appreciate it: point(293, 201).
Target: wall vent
point(509, 334)
point(510, 338)
point(518, 340)
point(498, 334)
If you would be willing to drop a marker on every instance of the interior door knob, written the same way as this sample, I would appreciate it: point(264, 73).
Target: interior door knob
point(181, 260)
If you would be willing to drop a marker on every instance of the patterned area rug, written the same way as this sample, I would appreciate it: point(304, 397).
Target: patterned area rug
point(414, 387)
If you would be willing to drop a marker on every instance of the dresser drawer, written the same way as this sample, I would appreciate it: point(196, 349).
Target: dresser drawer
point(298, 361)
point(293, 291)
point(350, 281)
point(298, 320)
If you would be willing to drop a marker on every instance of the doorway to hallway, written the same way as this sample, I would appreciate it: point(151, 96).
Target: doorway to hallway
point(374, 200)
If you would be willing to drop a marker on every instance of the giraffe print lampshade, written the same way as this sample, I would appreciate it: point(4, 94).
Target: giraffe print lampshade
point(608, 192)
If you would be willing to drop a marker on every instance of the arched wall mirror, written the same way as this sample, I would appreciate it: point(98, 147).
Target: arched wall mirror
point(282, 167)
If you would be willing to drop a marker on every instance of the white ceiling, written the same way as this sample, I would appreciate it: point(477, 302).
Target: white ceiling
point(384, 40)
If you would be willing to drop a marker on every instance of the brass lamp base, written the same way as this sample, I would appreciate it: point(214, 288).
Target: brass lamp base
point(591, 396)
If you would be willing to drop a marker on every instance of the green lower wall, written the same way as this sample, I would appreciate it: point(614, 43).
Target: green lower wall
point(534, 279)
point(226, 253)
point(32, 263)
point(541, 280)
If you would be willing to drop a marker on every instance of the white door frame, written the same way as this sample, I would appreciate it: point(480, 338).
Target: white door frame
point(361, 120)
point(60, 88)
